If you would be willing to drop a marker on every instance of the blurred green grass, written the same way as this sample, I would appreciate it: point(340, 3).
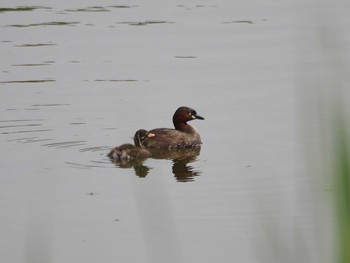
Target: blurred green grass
point(342, 192)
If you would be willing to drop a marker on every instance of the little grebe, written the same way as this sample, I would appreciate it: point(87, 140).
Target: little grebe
point(183, 136)
point(131, 152)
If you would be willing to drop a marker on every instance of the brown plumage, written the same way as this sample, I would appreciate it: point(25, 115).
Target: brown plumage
point(131, 152)
point(183, 136)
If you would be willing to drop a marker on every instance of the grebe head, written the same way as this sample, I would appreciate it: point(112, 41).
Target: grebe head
point(140, 136)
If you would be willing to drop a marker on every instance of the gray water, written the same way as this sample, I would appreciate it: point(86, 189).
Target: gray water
point(80, 77)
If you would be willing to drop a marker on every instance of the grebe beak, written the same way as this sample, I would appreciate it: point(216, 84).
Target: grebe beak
point(197, 117)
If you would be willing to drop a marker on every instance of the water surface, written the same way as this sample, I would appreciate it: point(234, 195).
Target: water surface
point(78, 78)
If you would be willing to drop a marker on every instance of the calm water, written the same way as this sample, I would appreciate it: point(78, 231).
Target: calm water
point(80, 77)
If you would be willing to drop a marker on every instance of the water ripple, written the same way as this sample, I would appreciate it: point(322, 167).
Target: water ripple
point(65, 144)
point(14, 132)
point(31, 65)
point(23, 120)
point(28, 140)
point(54, 23)
point(117, 80)
point(22, 8)
point(89, 9)
point(96, 149)
point(99, 8)
point(36, 45)
point(20, 125)
point(50, 104)
point(145, 23)
point(87, 166)
point(27, 81)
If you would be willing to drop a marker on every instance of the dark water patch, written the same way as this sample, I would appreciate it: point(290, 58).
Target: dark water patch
point(201, 6)
point(89, 9)
point(100, 8)
point(23, 120)
point(77, 123)
point(28, 81)
point(30, 65)
point(65, 144)
point(20, 125)
point(74, 61)
point(122, 6)
point(185, 57)
point(51, 105)
point(22, 8)
point(117, 80)
point(243, 21)
point(36, 45)
point(14, 132)
point(46, 24)
point(240, 22)
point(145, 23)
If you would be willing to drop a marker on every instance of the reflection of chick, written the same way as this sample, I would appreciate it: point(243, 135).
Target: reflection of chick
point(130, 152)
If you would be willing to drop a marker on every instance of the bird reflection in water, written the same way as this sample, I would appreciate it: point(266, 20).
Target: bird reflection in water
point(182, 145)
point(181, 158)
